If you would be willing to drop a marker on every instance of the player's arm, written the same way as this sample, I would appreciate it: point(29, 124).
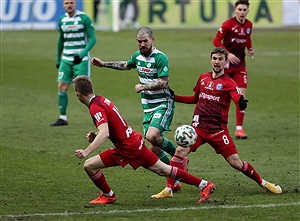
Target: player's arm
point(60, 47)
point(162, 83)
point(91, 35)
point(102, 135)
point(238, 98)
point(218, 40)
point(117, 65)
point(184, 99)
point(249, 48)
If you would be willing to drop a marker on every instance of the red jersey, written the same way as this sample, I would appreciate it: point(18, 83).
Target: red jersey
point(236, 37)
point(102, 111)
point(215, 95)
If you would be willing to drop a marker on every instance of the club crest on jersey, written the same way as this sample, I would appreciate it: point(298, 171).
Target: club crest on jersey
point(248, 31)
point(148, 65)
point(219, 87)
point(165, 69)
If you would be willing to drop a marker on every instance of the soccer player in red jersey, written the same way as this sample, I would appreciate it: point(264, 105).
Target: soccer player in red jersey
point(213, 93)
point(129, 147)
point(234, 36)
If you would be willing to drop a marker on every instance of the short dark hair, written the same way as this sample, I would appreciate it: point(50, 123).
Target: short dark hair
point(242, 2)
point(144, 30)
point(83, 85)
point(219, 50)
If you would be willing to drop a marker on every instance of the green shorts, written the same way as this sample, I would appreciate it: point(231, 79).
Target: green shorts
point(161, 119)
point(67, 70)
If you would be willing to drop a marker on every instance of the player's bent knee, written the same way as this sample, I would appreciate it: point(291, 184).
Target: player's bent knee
point(236, 165)
point(88, 166)
point(153, 139)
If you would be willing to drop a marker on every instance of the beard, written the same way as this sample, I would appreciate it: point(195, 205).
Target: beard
point(218, 70)
point(145, 51)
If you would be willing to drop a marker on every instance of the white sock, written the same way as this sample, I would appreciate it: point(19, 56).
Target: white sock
point(168, 189)
point(109, 194)
point(63, 117)
point(263, 182)
point(202, 184)
point(239, 127)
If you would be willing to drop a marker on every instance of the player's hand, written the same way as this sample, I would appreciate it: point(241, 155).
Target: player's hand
point(90, 136)
point(251, 53)
point(172, 93)
point(57, 66)
point(138, 88)
point(243, 103)
point(97, 62)
point(77, 59)
point(81, 153)
point(233, 59)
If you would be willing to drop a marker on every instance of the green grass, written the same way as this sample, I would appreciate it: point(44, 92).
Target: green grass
point(41, 179)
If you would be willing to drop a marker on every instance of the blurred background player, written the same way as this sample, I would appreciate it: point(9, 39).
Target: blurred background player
point(158, 106)
point(96, 9)
point(76, 39)
point(213, 93)
point(129, 13)
point(234, 36)
point(129, 147)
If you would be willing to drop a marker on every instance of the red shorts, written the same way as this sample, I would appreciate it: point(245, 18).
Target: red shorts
point(239, 75)
point(221, 141)
point(123, 155)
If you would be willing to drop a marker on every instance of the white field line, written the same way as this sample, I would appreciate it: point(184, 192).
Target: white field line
point(150, 210)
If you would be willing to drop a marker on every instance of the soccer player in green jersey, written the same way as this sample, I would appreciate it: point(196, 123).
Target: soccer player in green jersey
point(76, 39)
point(153, 70)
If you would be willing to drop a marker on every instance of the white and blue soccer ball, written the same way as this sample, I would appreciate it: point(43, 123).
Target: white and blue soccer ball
point(185, 135)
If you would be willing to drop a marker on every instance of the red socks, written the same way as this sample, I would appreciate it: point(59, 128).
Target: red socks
point(100, 181)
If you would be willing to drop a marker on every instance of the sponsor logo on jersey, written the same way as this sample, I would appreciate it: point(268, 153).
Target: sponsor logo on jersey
point(210, 86)
point(216, 134)
point(145, 70)
point(238, 40)
point(98, 116)
point(242, 32)
point(234, 28)
point(209, 97)
point(157, 115)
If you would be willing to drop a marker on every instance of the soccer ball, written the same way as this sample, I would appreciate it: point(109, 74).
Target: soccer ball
point(185, 135)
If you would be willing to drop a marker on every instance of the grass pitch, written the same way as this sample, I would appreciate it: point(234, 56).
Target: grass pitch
point(41, 179)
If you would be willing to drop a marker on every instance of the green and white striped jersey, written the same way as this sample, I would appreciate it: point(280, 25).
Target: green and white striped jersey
point(150, 69)
point(77, 36)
